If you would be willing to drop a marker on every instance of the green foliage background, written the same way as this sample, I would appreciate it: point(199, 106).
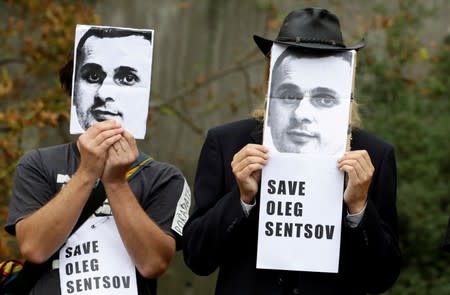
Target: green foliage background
point(36, 39)
point(404, 92)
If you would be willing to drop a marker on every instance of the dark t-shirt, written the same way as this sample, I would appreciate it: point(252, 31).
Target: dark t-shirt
point(160, 189)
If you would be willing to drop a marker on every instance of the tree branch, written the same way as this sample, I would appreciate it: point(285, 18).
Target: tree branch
point(246, 61)
point(198, 130)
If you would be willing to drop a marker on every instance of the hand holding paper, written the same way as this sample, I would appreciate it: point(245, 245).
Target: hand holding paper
point(246, 166)
point(93, 145)
point(359, 169)
point(120, 156)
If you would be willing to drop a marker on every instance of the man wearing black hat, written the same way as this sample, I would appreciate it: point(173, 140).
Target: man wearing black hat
point(222, 231)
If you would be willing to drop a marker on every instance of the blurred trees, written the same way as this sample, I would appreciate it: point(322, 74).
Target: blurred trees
point(403, 84)
point(37, 39)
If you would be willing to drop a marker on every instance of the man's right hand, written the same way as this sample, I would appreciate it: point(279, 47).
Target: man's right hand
point(246, 166)
point(94, 144)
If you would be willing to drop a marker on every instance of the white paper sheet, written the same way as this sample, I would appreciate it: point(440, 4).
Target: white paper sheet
point(301, 186)
point(94, 261)
point(111, 77)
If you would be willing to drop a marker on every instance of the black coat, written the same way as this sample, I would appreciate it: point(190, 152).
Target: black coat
point(219, 235)
point(447, 238)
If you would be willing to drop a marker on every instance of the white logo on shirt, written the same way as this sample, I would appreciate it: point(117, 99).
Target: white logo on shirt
point(104, 210)
point(182, 211)
point(62, 178)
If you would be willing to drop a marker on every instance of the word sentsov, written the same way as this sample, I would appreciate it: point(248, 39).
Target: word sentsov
point(292, 208)
point(89, 266)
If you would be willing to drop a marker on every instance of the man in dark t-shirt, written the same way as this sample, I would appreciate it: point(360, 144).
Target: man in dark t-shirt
point(127, 243)
point(45, 205)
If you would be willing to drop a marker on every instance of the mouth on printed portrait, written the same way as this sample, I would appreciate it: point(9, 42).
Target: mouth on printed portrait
point(101, 114)
point(302, 136)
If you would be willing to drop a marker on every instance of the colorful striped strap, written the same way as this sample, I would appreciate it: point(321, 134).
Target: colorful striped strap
point(142, 161)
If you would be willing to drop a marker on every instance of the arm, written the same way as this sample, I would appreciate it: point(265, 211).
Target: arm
point(36, 242)
point(370, 252)
point(218, 219)
point(150, 248)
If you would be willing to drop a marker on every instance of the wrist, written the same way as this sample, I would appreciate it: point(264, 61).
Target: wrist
point(248, 199)
point(116, 187)
point(356, 207)
point(88, 172)
point(85, 178)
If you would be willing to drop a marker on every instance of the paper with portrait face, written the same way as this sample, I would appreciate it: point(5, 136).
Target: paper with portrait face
point(307, 119)
point(111, 78)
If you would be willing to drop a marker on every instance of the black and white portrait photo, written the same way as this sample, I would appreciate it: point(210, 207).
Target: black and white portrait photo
point(309, 101)
point(112, 76)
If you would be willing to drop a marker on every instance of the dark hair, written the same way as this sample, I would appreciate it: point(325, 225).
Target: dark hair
point(65, 76)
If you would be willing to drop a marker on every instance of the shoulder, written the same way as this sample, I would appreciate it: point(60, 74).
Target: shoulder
point(243, 126)
point(164, 171)
point(378, 149)
point(49, 154)
point(235, 134)
point(156, 178)
point(362, 139)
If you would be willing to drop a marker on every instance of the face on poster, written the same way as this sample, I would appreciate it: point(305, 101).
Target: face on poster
point(309, 101)
point(111, 78)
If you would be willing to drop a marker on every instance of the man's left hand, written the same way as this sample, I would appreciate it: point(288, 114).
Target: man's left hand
point(119, 158)
point(359, 170)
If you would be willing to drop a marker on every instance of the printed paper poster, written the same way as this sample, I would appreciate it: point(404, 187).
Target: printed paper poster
point(111, 77)
point(307, 119)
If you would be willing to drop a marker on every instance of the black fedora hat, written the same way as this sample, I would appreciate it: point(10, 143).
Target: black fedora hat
point(309, 28)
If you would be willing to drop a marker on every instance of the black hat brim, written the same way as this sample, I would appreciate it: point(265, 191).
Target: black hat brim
point(265, 45)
